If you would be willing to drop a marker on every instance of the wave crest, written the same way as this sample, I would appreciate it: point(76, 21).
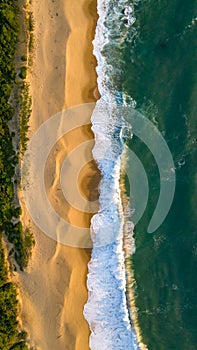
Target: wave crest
point(106, 310)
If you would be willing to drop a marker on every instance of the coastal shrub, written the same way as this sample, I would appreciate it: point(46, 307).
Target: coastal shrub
point(23, 72)
point(25, 114)
point(30, 22)
point(23, 58)
point(10, 337)
point(20, 346)
point(31, 42)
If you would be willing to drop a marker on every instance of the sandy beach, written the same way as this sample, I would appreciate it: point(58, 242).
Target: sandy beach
point(52, 292)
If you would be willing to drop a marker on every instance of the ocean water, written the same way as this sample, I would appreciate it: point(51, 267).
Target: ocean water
point(146, 54)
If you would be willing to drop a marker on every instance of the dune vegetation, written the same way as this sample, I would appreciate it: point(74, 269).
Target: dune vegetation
point(21, 240)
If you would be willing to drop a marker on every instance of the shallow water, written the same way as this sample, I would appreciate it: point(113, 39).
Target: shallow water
point(146, 60)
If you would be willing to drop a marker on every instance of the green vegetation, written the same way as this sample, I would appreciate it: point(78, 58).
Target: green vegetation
point(24, 58)
point(10, 225)
point(30, 22)
point(25, 113)
point(10, 338)
point(9, 215)
point(23, 72)
point(31, 42)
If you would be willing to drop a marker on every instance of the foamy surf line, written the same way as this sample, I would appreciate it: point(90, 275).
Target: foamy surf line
point(106, 310)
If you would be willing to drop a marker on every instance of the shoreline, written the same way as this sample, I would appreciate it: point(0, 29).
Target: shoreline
point(52, 291)
point(129, 249)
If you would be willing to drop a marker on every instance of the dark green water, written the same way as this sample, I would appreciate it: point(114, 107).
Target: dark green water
point(160, 74)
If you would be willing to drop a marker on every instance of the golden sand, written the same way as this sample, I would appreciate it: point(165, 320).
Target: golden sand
point(53, 290)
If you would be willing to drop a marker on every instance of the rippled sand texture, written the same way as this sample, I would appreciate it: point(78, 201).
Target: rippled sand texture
point(53, 290)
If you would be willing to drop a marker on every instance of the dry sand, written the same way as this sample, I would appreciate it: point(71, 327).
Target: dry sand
point(53, 290)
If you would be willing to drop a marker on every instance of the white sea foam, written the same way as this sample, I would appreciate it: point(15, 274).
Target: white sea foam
point(106, 310)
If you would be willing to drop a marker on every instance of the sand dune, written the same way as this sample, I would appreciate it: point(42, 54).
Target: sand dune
point(53, 290)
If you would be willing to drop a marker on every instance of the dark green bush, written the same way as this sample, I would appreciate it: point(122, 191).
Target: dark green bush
point(24, 58)
point(23, 72)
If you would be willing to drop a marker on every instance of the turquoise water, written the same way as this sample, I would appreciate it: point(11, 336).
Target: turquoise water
point(146, 54)
point(160, 75)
